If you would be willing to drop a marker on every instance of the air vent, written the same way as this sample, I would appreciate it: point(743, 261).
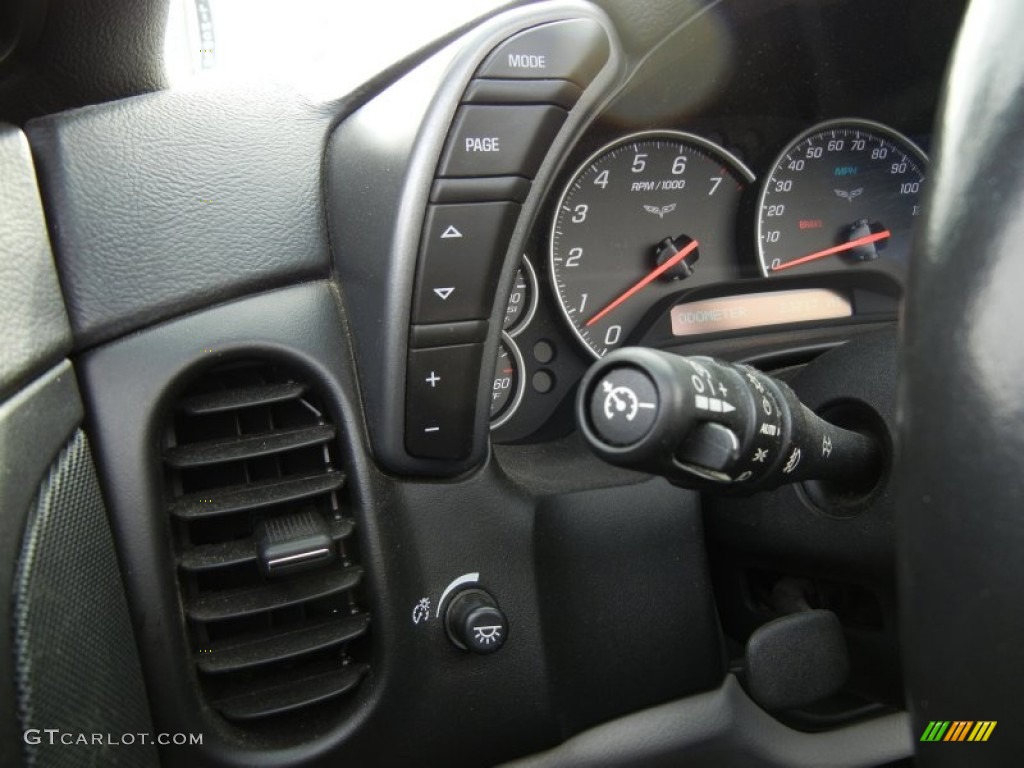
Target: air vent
point(267, 565)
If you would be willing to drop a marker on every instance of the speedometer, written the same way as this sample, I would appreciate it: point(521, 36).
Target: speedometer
point(844, 194)
point(640, 220)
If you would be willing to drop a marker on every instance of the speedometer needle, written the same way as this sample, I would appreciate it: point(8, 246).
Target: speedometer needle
point(650, 277)
point(873, 238)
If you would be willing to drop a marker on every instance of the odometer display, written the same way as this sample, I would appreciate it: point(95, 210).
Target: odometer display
point(844, 194)
point(641, 219)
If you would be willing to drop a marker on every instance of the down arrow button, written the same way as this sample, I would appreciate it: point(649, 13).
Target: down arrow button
point(461, 253)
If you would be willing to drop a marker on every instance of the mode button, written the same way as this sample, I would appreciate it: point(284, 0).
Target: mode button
point(574, 49)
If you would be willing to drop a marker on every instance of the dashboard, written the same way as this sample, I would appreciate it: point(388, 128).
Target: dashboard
point(744, 186)
point(329, 356)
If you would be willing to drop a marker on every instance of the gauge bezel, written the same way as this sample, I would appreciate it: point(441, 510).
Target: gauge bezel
point(683, 136)
point(517, 396)
point(840, 122)
point(524, 321)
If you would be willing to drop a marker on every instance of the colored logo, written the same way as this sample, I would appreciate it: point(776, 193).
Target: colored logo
point(958, 730)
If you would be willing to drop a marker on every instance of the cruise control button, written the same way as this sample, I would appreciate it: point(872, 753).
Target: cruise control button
point(624, 406)
point(574, 49)
point(500, 141)
point(440, 404)
point(460, 259)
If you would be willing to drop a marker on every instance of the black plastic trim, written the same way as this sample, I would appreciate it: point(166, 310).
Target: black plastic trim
point(286, 693)
point(486, 188)
point(561, 93)
point(724, 727)
point(446, 334)
point(232, 603)
point(241, 397)
point(247, 447)
point(255, 495)
point(130, 386)
point(285, 645)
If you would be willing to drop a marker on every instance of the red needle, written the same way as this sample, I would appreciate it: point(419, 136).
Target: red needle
point(837, 249)
point(653, 275)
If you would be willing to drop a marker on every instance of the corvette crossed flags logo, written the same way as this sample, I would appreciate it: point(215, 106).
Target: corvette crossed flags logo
point(660, 212)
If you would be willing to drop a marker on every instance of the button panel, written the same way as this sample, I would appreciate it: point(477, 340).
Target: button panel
point(459, 261)
point(441, 389)
point(575, 50)
point(500, 140)
point(508, 118)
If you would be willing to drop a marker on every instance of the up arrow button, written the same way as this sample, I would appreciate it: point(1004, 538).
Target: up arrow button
point(461, 254)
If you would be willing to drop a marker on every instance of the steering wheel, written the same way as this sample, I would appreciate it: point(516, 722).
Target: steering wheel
point(961, 510)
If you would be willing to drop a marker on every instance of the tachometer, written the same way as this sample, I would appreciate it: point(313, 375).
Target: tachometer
point(844, 194)
point(639, 216)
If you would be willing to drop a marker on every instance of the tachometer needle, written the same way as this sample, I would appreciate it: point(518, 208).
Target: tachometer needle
point(873, 238)
point(650, 277)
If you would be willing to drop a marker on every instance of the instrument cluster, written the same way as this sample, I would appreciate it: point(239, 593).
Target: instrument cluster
point(664, 238)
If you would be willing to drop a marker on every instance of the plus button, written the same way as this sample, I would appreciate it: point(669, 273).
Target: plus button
point(432, 379)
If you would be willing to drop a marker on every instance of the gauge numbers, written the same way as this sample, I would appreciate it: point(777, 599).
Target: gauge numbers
point(642, 219)
point(509, 382)
point(844, 194)
point(522, 301)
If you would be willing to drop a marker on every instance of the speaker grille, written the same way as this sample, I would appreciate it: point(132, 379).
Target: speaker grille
point(77, 665)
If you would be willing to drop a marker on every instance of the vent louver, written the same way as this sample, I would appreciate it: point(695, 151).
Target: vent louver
point(267, 565)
